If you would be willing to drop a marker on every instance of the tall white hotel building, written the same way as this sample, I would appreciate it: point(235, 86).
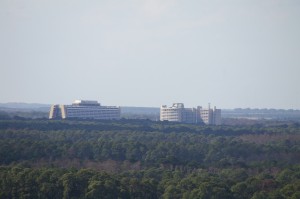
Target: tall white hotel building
point(177, 113)
point(85, 109)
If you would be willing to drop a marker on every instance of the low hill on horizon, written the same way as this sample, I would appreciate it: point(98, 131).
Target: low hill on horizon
point(23, 105)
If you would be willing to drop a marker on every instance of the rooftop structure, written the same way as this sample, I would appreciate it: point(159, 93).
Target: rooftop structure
point(85, 103)
point(85, 109)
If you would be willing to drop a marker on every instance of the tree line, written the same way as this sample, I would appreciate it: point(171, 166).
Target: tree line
point(20, 182)
point(145, 159)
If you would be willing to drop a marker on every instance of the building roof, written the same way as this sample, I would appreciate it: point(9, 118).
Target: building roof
point(86, 102)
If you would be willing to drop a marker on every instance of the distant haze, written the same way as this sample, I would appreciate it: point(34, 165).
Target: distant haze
point(150, 52)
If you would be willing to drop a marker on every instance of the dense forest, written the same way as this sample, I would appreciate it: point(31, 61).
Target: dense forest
point(42, 158)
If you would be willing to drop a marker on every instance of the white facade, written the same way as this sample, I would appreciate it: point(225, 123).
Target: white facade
point(173, 113)
point(210, 116)
point(206, 115)
point(177, 113)
point(217, 120)
point(84, 109)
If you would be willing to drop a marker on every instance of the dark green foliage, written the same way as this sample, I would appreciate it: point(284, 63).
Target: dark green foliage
point(20, 182)
point(145, 159)
point(151, 143)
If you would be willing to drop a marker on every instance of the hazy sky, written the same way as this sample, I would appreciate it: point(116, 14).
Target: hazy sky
point(231, 53)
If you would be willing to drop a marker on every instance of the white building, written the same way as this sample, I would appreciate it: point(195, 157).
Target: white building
point(210, 116)
point(177, 113)
point(173, 113)
point(84, 109)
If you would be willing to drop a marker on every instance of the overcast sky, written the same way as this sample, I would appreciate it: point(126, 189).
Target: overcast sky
point(231, 53)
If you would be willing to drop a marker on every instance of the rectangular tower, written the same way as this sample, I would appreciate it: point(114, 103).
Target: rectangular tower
point(85, 109)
